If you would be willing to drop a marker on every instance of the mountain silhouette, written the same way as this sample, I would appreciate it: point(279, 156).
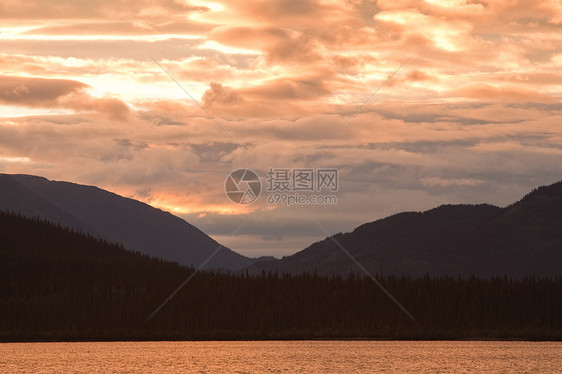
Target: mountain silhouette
point(136, 225)
point(60, 285)
point(522, 239)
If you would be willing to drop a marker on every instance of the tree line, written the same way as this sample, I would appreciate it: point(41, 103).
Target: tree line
point(59, 284)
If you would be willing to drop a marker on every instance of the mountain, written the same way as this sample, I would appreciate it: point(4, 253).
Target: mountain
point(519, 240)
point(136, 225)
point(61, 285)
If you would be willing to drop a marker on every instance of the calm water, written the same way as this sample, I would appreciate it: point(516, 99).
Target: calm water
point(283, 357)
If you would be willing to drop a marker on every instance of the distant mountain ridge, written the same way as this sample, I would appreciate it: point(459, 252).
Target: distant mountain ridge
point(136, 225)
point(522, 239)
point(60, 285)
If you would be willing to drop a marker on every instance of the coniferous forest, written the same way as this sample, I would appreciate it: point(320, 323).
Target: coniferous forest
point(57, 284)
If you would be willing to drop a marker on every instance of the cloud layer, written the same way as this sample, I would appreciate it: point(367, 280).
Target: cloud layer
point(475, 115)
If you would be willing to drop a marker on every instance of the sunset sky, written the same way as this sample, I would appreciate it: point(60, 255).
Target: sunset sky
point(474, 115)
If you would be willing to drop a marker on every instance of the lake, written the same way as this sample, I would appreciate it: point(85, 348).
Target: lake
point(283, 357)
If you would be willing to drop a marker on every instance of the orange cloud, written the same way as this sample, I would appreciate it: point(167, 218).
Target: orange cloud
point(36, 91)
point(40, 92)
point(475, 113)
point(278, 44)
point(505, 93)
point(69, 9)
point(218, 94)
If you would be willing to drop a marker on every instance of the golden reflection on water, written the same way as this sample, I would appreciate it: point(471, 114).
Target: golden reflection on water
point(283, 357)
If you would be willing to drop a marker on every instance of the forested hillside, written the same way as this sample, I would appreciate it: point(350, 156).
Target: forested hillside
point(520, 240)
point(139, 226)
point(56, 284)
